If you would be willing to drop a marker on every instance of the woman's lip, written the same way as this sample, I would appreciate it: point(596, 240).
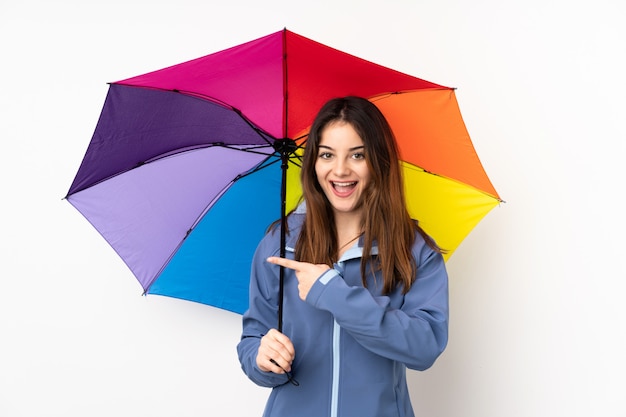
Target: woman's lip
point(343, 188)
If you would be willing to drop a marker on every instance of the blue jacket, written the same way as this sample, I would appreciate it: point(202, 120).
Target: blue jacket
point(352, 344)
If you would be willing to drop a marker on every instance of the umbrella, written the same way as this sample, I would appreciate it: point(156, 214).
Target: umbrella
point(188, 165)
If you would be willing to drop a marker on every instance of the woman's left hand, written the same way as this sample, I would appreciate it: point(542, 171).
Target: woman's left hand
point(306, 273)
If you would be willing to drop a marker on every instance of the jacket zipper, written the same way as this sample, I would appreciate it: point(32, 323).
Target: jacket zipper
point(334, 399)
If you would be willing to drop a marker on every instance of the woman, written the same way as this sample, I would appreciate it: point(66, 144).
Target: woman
point(368, 294)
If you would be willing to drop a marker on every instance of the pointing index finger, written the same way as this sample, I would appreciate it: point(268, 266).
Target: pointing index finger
point(287, 263)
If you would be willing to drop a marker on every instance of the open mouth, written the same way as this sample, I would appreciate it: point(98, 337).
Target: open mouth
point(343, 187)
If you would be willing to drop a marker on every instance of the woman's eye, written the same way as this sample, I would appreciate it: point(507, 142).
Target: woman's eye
point(325, 155)
point(358, 155)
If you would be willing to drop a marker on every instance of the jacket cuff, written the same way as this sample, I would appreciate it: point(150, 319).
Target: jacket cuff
point(320, 285)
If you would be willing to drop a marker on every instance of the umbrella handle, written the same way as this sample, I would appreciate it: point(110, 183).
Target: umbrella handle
point(280, 298)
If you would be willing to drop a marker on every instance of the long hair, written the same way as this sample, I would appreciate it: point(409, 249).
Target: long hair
point(386, 219)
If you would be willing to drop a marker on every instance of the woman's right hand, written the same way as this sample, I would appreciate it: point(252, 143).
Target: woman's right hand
point(276, 347)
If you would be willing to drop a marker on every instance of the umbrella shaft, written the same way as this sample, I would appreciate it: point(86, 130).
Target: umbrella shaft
point(283, 233)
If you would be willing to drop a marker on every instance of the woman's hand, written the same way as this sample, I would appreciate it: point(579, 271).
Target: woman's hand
point(306, 273)
point(275, 347)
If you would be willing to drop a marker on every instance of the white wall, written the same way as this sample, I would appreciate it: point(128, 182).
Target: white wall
point(537, 290)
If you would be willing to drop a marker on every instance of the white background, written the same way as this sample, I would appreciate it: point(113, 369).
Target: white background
point(537, 290)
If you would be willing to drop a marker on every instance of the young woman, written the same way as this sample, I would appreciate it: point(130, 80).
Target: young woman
point(366, 290)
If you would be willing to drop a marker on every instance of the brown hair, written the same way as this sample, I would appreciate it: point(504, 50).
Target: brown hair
point(386, 219)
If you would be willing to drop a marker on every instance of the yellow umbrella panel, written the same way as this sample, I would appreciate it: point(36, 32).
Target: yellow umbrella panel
point(446, 209)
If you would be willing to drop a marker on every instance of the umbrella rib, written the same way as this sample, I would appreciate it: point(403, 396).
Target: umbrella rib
point(418, 168)
point(263, 134)
point(382, 96)
point(257, 168)
point(191, 228)
point(250, 149)
point(171, 154)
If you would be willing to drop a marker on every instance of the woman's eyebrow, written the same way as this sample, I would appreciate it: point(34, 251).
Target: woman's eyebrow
point(351, 149)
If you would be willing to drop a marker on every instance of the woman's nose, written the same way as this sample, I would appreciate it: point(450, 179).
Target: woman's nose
point(341, 167)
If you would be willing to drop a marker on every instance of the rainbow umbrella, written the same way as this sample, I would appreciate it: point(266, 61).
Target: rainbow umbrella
point(190, 164)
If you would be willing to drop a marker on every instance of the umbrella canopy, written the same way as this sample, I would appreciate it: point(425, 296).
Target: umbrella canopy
point(190, 164)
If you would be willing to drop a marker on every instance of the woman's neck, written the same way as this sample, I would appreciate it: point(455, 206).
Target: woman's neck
point(349, 227)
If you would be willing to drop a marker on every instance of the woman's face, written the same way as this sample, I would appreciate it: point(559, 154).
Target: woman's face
point(341, 169)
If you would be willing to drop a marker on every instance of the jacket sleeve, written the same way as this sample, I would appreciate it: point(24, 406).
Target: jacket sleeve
point(415, 334)
point(261, 316)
